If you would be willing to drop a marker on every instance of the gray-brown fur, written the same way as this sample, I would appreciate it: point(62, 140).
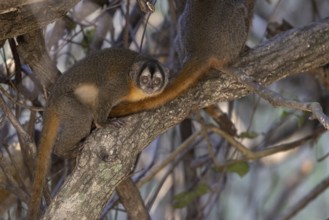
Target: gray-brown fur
point(85, 93)
point(211, 35)
point(110, 71)
point(214, 28)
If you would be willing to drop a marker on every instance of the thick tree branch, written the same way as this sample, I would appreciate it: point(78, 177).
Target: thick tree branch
point(33, 50)
point(22, 16)
point(109, 154)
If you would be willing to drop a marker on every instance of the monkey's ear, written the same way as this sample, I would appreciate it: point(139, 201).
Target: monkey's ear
point(137, 66)
point(166, 70)
point(153, 66)
point(135, 69)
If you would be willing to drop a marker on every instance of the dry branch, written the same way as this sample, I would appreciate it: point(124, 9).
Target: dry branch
point(308, 198)
point(23, 16)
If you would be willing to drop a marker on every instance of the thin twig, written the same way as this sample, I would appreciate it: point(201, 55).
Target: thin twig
point(211, 152)
point(31, 108)
point(247, 153)
point(315, 192)
point(146, 6)
point(127, 26)
point(276, 99)
point(20, 130)
point(251, 155)
point(168, 160)
point(12, 185)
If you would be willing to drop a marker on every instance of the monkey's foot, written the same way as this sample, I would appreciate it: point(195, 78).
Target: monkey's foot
point(117, 122)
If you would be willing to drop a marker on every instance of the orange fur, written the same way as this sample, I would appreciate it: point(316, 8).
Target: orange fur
point(192, 71)
point(51, 125)
point(135, 94)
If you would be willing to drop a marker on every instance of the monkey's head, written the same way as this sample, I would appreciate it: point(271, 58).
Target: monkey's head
point(150, 77)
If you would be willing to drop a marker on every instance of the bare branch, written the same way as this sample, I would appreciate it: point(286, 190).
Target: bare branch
point(6, 5)
point(254, 155)
point(20, 130)
point(20, 17)
point(132, 200)
point(156, 169)
point(276, 99)
point(146, 6)
point(315, 192)
point(33, 50)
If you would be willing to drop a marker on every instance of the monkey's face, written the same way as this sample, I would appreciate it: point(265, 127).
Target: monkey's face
point(152, 78)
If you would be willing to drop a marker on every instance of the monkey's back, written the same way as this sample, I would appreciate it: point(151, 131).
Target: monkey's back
point(104, 68)
point(221, 31)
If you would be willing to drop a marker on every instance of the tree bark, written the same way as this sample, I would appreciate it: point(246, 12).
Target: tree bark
point(18, 17)
point(131, 199)
point(109, 154)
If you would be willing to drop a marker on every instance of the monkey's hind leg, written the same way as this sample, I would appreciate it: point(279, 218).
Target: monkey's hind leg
point(74, 126)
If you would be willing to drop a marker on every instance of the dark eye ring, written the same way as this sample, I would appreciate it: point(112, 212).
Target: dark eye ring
point(157, 81)
point(144, 79)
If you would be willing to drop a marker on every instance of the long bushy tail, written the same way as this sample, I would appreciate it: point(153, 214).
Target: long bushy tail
point(49, 132)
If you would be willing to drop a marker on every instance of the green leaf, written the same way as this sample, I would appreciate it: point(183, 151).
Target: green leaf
point(249, 134)
point(88, 37)
point(284, 114)
point(241, 168)
point(183, 199)
point(301, 119)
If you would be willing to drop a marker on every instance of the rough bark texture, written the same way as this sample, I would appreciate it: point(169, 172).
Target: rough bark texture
point(18, 17)
point(109, 154)
point(32, 50)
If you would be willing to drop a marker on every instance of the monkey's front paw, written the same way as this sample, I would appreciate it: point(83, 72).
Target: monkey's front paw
point(117, 122)
point(100, 124)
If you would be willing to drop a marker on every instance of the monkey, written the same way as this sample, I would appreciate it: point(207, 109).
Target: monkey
point(211, 35)
point(86, 93)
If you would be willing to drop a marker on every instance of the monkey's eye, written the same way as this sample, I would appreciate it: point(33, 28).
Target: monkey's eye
point(144, 79)
point(157, 81)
